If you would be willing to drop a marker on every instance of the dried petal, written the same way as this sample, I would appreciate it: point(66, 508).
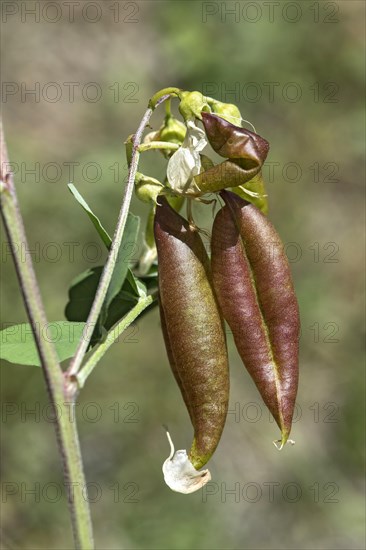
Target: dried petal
point(185, 163)
point(179, 473)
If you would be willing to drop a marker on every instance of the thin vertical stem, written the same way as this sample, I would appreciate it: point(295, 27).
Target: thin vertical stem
point(116, 243)
point(168, 111)
point(64, 422)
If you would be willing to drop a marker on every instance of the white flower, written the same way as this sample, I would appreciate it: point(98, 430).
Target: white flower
point(180, 474)
point(186, 162)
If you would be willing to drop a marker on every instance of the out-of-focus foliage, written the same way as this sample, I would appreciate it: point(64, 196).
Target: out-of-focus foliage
point(308, 496)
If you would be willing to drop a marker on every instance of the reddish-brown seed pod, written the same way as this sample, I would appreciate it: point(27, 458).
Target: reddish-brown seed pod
point(171, 359)
point(193, 328)
point(253, 284)
point(245, 151)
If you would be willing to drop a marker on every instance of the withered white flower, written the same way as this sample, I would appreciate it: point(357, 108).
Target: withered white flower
point(185, 163)
point(179, 473)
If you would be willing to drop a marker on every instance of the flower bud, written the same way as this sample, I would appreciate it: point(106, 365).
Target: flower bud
point(147, 188)
point(173, 130)
point(129, 148)
point(192, 104)
point(228, 111)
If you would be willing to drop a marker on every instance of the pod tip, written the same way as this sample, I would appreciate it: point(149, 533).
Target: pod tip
point(280, 443)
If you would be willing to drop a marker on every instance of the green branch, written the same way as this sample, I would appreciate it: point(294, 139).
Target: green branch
point(62, 387)
point(163, 94)
point(116, 243)
point(158, 145)
point(112, 336)
point(65, 426)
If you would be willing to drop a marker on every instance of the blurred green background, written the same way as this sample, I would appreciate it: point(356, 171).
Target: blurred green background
point(310, 55)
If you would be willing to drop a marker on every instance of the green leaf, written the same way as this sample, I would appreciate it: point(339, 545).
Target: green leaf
point(138, 286)
point(18, 345)
point(126, 248)
point(254, 191)
point(95, 220)
point(84, 287)
point(82, 293)
point(121, 268)
point(150, 280)
point(122, 304)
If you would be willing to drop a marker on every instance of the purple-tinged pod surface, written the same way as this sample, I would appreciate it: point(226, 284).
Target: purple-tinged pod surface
point(193, 328)
point(254, 287)
point(171, 359)
point(245, 151)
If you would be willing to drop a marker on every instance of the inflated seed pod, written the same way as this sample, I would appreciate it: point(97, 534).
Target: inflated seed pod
point(245, 151)
point(193, 328)
point(253, 284)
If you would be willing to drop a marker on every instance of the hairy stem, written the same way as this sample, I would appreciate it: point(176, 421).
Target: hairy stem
point(65, 426)
point(116, 243)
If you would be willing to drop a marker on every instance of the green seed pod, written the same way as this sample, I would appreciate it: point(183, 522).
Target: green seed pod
point(193, 329)
point(245, 150)
point(253, 284)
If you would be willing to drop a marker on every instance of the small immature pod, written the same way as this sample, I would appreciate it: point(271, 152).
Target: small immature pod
point(192, 328)
point(253, 284)
point(245, 150)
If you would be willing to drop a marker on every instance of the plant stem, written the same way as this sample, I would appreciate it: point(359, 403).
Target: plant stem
point(158, 145)
point(168, 108)
point(165, 93)
point(112, 336)
point(65, 426)
point(116, 243)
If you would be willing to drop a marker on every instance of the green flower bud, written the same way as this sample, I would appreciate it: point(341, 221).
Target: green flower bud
point(129, 148)
point(192, 104)
point(172, 130)
point(146, 188)
point(228, 111)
